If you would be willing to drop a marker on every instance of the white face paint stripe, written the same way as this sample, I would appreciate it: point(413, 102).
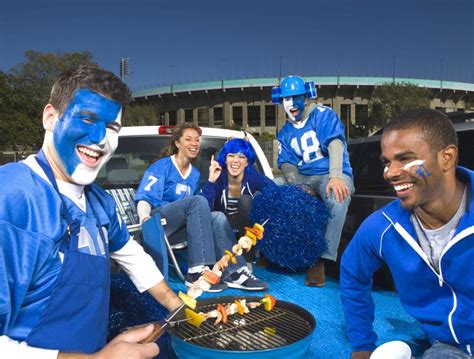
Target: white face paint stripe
point(288, 104)
point(413, 163)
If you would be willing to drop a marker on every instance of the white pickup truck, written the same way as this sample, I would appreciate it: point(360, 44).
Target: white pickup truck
point(139, 146)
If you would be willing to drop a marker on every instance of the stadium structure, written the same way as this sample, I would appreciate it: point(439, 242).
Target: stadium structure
point(247, 103)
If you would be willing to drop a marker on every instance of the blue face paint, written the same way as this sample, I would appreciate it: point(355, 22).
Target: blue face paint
point(422, 171)
point(294, 107)
point(86, 134)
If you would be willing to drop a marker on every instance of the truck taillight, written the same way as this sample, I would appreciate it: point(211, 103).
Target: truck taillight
point(165, 130)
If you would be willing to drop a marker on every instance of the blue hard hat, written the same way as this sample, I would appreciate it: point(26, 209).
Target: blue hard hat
point(292, 86)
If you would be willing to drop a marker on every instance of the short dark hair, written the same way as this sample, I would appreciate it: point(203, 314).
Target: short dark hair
point(436, 127)
point(89, 77)
point(178, 131)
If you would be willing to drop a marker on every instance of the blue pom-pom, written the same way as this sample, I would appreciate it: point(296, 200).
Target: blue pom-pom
point(294, 235)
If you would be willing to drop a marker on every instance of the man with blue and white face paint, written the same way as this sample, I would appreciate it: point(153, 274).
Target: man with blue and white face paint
point(59, 231)
point(81, 140)
point(313, 152)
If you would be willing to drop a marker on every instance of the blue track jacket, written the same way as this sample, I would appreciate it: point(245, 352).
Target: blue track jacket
point(443, 303)
point(216, 193)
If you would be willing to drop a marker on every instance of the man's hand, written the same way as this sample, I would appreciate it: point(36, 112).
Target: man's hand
point(338, 186)
point(123, 346)
point(215, 170)
point(361, 355)
point(126, 345)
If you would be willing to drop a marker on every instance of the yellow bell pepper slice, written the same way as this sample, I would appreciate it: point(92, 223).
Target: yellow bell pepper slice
point(270, 331)
point(240, 307)
point(190, 302)
point(266, 303)
point(232, 256)
point(196, 318)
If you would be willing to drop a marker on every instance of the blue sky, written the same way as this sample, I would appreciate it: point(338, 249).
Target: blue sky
point(182, 41)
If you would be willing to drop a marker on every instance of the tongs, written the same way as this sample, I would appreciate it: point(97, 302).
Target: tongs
point(160, 326)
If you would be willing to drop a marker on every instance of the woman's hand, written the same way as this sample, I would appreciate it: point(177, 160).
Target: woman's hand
point(215, 170)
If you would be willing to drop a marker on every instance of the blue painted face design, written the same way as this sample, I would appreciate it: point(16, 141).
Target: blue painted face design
point(86, 134)
point(294, 107)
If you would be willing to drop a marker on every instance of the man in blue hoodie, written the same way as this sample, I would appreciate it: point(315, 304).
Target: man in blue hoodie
point(426, 237)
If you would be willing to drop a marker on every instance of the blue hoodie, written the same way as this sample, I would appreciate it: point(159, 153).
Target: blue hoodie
point(443, 303)
point(216, 193)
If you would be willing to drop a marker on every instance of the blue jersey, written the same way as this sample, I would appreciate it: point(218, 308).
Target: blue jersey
point(162, 183)
point(31, 231)
point(305, 144)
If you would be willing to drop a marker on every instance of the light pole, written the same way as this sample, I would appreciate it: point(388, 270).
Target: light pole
point(124, 67)
point(393, 60)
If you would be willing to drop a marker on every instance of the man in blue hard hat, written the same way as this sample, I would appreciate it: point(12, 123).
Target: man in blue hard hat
point(313, 152)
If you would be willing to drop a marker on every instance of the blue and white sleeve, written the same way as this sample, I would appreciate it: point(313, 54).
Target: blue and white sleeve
point(359, 261)
point(152, 186)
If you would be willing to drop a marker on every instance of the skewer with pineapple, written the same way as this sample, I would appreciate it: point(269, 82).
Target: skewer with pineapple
point(222, 312)
point(211, 277)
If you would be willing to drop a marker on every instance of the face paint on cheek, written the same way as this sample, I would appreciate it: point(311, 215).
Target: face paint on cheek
point(84, 174)
point(80, 135)
point(420, 169)
point(299, 103)
point(288, 104)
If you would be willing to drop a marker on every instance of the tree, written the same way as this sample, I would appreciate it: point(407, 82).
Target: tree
point(389, 100)
point(141, 115)
point(24, 93)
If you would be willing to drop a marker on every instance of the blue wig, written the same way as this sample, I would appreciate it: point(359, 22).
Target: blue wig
point(237, 145)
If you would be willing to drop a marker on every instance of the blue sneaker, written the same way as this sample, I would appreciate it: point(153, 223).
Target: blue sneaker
point(190, 278)
point(242, 278)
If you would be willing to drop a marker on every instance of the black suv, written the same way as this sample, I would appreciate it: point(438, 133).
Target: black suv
point(372, 192)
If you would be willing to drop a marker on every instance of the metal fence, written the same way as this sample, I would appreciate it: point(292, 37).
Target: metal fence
point(267, 147)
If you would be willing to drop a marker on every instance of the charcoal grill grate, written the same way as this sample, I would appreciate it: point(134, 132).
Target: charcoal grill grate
point(257, 330)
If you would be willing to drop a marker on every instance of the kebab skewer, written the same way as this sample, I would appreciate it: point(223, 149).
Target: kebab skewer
point(222, 312)
point(211, 277)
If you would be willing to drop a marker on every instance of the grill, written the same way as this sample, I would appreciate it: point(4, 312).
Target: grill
point(286, 330)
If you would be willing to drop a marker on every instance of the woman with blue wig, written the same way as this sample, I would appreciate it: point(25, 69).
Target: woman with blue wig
point(233, 182)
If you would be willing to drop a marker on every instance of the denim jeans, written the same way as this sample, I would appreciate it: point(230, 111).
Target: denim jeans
point(337, 211)
point(208, 234)
point(439, 350)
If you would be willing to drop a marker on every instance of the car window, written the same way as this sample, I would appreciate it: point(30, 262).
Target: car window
point(368, 169)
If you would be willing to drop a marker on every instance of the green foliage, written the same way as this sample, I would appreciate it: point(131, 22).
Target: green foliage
point(25, 91)
point(358, 131)
point(266, 136)
point(389, 100)
point(141, 115)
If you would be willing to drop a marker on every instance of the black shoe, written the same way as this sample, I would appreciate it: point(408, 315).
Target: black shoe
point(243, 279)
point(190, 278)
